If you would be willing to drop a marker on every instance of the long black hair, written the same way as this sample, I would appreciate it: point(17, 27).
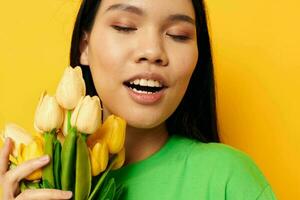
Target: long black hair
point(195, 117)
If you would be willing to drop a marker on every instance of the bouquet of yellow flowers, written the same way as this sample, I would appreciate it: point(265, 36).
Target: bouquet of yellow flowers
point(82, 150)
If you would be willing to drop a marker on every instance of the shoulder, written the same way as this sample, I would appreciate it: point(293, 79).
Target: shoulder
point(227, 160)
point(226, 167)
point(213, 155)
point(212, 152)
point(218, 152)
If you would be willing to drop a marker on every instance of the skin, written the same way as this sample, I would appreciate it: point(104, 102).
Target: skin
point(9, 179)
point(115, 56)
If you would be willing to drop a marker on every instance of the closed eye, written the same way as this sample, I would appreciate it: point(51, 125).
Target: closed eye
point(180, 38)
point(123, 28)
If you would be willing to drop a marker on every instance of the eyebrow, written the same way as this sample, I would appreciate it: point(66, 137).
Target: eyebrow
point(139, 11)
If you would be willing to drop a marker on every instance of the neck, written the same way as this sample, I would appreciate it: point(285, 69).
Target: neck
point(142, 143)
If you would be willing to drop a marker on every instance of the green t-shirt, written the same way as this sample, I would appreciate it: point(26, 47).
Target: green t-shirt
point(185, 169)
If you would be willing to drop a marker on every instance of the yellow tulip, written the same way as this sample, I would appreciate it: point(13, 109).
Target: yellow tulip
point(98, 157)
point(25, 147)
point(87, 115)
point(18, 135)
point(118, 163)
point(93, 138)
point(31, 151)
point(113, 130)
point(48, 115)
point(70, 88)
point(65, 124)
point(39, 137)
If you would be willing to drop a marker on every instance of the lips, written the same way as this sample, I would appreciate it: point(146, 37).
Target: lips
point(149, 76)
point(145, 98)
point(146, 95)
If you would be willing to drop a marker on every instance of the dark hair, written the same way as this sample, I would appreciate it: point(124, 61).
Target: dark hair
point(195, 117)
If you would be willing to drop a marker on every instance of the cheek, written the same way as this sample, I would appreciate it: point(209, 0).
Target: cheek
point(105, 52)
point(107, 58)
point(181, 72)
point(185, 65)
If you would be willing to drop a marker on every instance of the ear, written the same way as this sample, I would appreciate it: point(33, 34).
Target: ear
point(84, 50)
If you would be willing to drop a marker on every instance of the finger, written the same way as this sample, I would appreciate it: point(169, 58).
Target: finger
point(4, 155)
point(44, 194)
point(27, 168)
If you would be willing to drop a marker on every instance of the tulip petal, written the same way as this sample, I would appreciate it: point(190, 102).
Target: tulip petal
point(79, 73)
point(118, 163)
point(113, 130)
point(99, 157)
point(49, 114)
point(75, 113)
point(36, 112)
point(18, 135)
point(31, 151)
point(65, 123)
point(70, 88)
point(87, 115)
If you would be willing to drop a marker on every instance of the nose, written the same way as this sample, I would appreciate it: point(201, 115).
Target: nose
point(151, 49)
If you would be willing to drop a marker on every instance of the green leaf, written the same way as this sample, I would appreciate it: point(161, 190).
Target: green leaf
point(12, 166)
point(119, 192)
point(33, 185)
point(102, 179)
point(23, 186)
point(47, 185)
point(57, 164)
point(83, 177)
point(109, 190)
point(68, 161)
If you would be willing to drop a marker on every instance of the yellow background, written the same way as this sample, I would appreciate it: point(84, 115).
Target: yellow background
point(257, 63)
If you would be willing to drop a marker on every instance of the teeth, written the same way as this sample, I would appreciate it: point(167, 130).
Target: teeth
point(157, 84)
point(151, 83)
point(145, 82)
point(143, 92)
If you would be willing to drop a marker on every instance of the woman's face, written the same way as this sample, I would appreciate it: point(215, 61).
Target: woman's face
point(142, 54)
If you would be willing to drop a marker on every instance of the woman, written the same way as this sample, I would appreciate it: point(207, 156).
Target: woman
point(150, 63)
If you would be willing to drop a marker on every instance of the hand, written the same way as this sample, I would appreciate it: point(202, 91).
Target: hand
point(9, 179)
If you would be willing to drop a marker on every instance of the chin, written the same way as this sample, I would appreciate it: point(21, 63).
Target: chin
point(143, 123)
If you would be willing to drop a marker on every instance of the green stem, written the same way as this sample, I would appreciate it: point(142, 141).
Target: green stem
point(47, 173)
point(84, 136)
point(101, 180)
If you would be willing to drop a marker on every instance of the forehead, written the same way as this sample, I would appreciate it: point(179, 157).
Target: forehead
point(157, 8)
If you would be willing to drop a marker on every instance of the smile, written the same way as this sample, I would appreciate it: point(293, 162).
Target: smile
point(145, 95)
point(144, 86)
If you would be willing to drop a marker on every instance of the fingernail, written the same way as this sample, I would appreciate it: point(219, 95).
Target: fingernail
point(68, 194)
point(44, 158)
